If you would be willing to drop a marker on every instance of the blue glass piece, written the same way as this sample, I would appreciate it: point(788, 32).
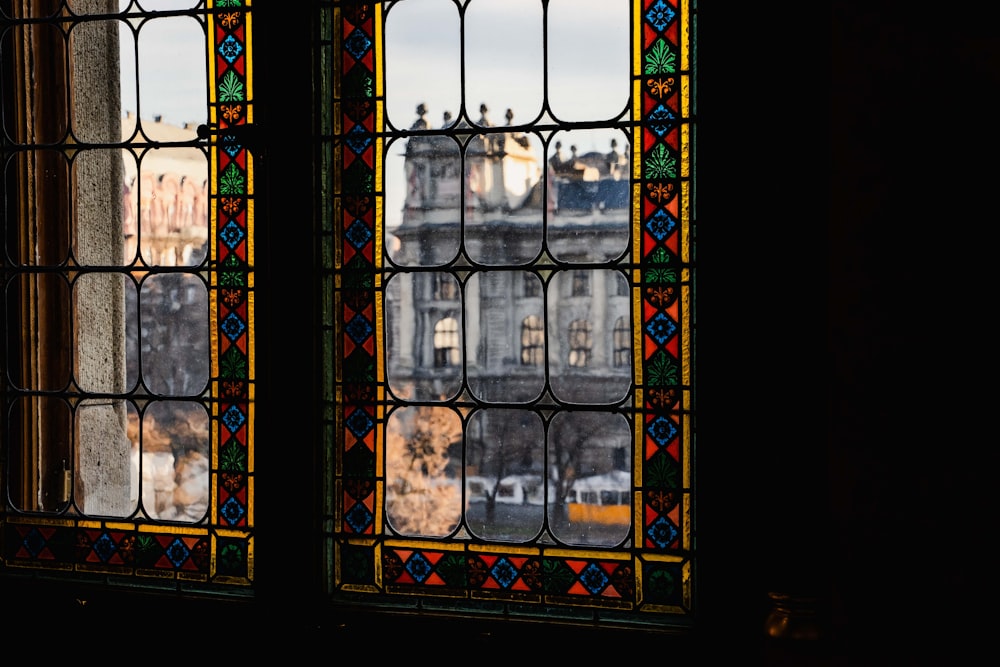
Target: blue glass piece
point(233, 418)
point(232, 511)
point(358, 518)
point(594, 579)
point(660, 15)
point(177, 552)
point(232, 326)
point(230, 49)
point(419, 567)
point(504, 572)
point(662, 431)
point(359, 423)
point(661, 328)
point(661, 224)
point(662, 532)
point(359, 329)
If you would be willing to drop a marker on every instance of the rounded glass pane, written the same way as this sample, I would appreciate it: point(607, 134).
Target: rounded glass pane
point(588, 455)
point(423, 496)
point(174, 354)
point(505, 492)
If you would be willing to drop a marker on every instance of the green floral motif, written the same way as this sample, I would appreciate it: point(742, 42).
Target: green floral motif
point(232, 182)
point(558, 577)
point(662, 371)
point(662, 472)
point(662, 586)
point(233, 458)
point(661, 59)
point(233, 364)
point(231, 88)
point(661, 276)
point(451, 568)
point(231, 279)
point(660, 256)
point(232, 559)
point(661, 163)
point(228, 3)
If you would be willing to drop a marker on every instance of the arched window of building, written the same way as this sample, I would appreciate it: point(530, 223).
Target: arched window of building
point(623, 344)
point(532, 341)
point(581, 283)
point(446, 350)
point(580, 343)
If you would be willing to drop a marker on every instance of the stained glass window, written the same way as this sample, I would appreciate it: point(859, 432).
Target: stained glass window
point(128, 269)
point(548, 470)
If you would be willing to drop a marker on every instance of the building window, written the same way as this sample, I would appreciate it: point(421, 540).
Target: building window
point(443, 160)
point(127, 264)
point(532, 341)
point(580, 343)
point(446, 350)
point(622, 343)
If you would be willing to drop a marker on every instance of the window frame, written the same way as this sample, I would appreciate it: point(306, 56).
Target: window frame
point(662, 289)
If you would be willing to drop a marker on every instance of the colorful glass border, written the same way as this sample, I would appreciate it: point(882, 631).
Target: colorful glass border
point(220, 552)
point(648, 582)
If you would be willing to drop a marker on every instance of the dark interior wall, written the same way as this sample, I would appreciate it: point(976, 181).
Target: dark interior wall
point(910, 357)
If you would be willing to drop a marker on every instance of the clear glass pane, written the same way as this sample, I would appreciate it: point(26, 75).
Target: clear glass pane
point(583, 308)
point(173, 461)
point(39, 429)
point(505, 200)
point(45, 47)
point(97, 91)
point(40, 244)
point(504, 336)
point(103, 477)
point(47, 366)
point(422, 62)
point(99, 308)
point(503, 59)
point(426, 230)
point(423, 461)
point(172, 202)
point(505, 493)
point(589, 457)
point(423, 323)
point(172, 76)
point(98, 234)
point(173, 310)
point(589, 191)
point(588, 59)
point(162, 5)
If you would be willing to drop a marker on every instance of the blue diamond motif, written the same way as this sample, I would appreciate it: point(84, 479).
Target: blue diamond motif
point(232, 511)
point(359, 329)
point(232, 326)
point(358, 139)
point(358, 234)
point(231, 234)
point(419, 567)
point(594, 579)
point(662, 532)
point(233, 418)
point(104, 547)
point(177, 552)
point(34, 542)
point(360, 423)
point(661, 328)
point(357, 44)
point(231, 145)
point(230, 49)
point(660, 15)
point(661, 224)
point(662, 430)
point(661, 120)
point(504, 572)
point(358, 518)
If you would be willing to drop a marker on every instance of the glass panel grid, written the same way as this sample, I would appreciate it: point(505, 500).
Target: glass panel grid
point(646, 578)
point(216, 550)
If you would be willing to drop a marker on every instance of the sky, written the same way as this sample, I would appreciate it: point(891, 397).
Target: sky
point(587, 62)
